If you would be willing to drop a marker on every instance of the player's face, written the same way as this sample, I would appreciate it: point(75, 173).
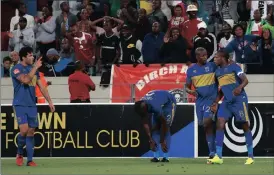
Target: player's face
point(202, 57)
point(218, 59)
point(29, 59)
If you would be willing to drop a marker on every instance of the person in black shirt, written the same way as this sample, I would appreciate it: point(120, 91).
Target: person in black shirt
point(110, 51)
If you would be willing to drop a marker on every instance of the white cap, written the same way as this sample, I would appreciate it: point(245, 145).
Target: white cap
point(191, 8)
point(202, 25)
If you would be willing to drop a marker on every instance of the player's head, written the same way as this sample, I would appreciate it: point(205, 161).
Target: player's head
point(221, 57)
point(201, 55)
point(140, 108)
point(26, 55)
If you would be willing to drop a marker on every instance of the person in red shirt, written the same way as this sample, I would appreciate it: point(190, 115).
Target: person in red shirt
point(178, 19)
point(190, 28)
point(84, 46)
point(80, 84)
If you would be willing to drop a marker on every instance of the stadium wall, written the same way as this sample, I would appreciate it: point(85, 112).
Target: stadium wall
point(114, 130)
point(260, 88)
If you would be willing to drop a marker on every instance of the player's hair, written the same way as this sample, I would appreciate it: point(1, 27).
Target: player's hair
point(138, 107)
point(224, 54)
point(7, 58)
point(24, 52)
point(199, 50)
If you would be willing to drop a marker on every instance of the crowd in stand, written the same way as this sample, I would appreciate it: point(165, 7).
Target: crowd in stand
point(106, 32)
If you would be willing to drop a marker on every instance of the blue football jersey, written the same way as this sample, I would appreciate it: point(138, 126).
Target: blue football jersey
point(228, 79)
point(24, 94)
point(158, 99)
point(204, 81)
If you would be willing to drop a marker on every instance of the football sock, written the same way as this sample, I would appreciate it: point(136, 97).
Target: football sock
point(168, 142)
point(156, 138)
point(210, 141)
point(30, 147)
point(219, 142)
point(249, 143)
point(21, 140)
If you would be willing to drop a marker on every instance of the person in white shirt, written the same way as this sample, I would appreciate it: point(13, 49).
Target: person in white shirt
point(228, 37)
point(21, 12)
point(264, 6)
point(21, 37)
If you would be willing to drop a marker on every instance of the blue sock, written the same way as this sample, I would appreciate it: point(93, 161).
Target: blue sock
point(156, 138)
point(30, 147)
point(219, 142)
point(249, 143)
point(210, 141)
point(168, 142)
point(214, 144)
point(21, 142)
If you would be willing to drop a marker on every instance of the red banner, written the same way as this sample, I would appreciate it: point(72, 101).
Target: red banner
point(169, 77)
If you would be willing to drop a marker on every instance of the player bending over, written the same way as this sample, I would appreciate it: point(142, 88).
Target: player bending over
point(232, 81)
point(161, 105)
point(25, 77)
point(202, 76)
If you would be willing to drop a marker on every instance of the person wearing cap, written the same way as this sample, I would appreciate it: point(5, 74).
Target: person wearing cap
point(80, 84)
point(190, 27)
point(226, 39)
point(21, 37)
point(205, 40)
point(131, 47)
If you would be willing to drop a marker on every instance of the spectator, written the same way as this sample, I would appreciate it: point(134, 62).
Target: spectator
point(266, 52)
point(116, 30)
point(110, 52)
point(255, 26)
point(67, 50)
point(57, 9)
point(241, 45)
point(190, 28)
point(157, 15)
point(40, 98)
point(92, 14)
point(14, 23)
point(201, 13)
point(64, 21)
point(84, 47)
point(5, 68)
point(178, 19)
point(80, 85)
point(45, 31)
point(21, 37)
point(152, 44)
point(228, 11)
point(82, 6)
point(14, 58)
point(131, 47)
point(205, 40)
point(265, 7)
point(84, 25)
point(226, 39)
point(174, 49)
point(143, 26)
point(128, 13)
point(52, 57)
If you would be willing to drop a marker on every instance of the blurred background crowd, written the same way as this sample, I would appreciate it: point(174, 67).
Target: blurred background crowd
point(100, 33)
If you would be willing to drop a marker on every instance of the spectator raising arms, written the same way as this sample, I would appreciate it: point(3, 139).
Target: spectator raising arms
point(14, 23)
point(21, 37)
point(174, 50)
point(45, 31)
point(152, 44)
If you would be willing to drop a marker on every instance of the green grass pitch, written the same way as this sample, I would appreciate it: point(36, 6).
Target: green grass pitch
point(137, 166)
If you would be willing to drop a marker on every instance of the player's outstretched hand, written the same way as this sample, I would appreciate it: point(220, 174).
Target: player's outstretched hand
point(52, 107)
point(38, 63)
point(164, 146)
point(152, 145)
point(237, 91)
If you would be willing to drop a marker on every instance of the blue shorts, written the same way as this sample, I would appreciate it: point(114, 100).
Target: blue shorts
point(168, 112)
point(238, 109)
point(203, 111)
point(26, 115)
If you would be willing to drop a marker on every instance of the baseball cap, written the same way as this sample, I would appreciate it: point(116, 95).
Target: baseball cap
point(202, 25)
point(52, 52)
point(191, 8)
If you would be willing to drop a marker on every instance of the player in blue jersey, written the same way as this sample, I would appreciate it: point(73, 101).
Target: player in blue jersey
point(202, 76)
point(25, 77)
point(161, 105)
point(232, 81)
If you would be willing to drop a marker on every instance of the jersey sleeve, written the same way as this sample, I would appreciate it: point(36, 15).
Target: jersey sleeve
point(188, 77)
point(214, 66)
point(16, 71)
point(237, 69)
